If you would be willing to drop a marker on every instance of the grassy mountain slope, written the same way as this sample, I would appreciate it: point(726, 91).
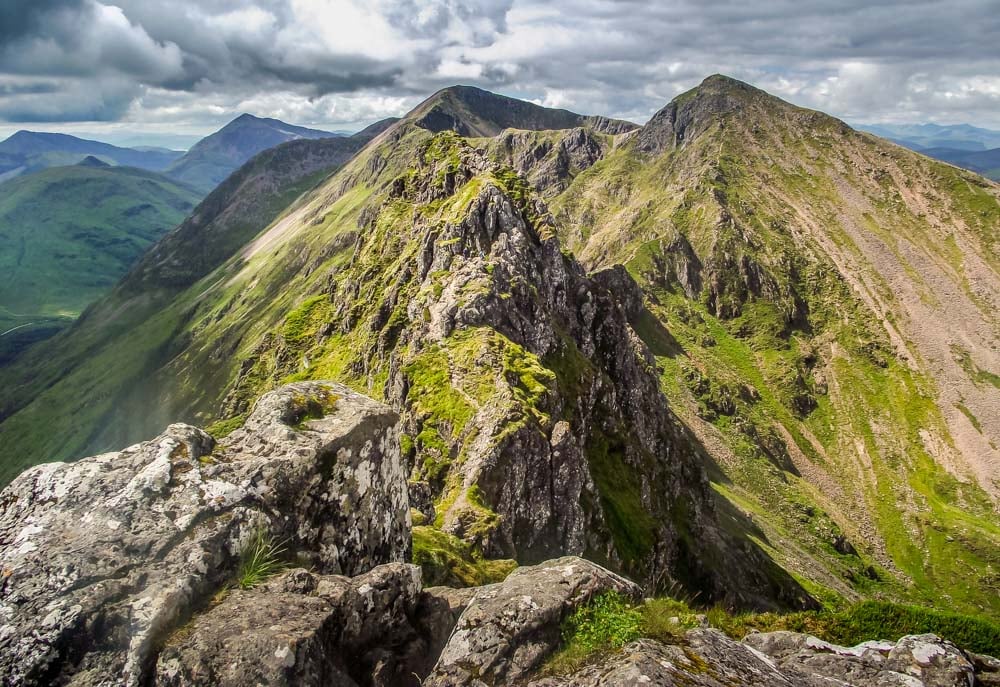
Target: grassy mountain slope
point(68, 234)
point(985, 162)
point(29, 151)
point(789, 268)
point(216, 156)
point(833, 299)
point(80, 376)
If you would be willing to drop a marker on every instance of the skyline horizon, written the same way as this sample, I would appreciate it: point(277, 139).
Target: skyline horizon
point(136, 133)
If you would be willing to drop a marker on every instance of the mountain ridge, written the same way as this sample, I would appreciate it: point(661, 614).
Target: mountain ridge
point(471, 111)
point(219, 154)
point(27, 151)
point(757, 251)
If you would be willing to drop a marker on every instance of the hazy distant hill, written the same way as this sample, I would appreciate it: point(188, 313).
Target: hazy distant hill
point(67, 234)
point(922, 136)
point(217, 156)
point(985, 162)
point(29, 151)
point(966, 146)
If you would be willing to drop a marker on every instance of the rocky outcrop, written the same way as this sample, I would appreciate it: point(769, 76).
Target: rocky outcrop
point(550, 160)
point(104, 557)
point(913, 660)
point(306, 629)
point(708, 658)
point(508, 629)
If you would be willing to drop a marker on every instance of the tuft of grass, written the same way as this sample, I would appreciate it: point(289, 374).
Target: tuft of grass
point(224, 428)
point(445, 559)
point(972, 418)
point(605, 624)
point(263, 558)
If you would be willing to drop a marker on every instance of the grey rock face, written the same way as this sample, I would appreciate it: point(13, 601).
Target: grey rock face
point(917, 660)
point(302, 629)
point(708, 658)
point(102, 558)
point(509, 628)
point(550, 165)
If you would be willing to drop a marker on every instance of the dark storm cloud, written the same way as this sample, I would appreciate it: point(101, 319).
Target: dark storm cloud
point(18, 17)
point(336, 61)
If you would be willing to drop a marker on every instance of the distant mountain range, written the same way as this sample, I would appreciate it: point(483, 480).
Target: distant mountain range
point(922, 136)
point(962, 145)
point(67, 234)
point(75, 214)
point(985, 162)
point(30, 151)
point(217, 156)
point(203, 167)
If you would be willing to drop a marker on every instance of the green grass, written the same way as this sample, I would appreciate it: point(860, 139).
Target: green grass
point(224, 428)
point(262, 558)
point(605, 624)
point(972, 418)
point(447, 560)
point(882, 620)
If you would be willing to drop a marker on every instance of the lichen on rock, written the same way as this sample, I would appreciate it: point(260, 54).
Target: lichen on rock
point(104, 557)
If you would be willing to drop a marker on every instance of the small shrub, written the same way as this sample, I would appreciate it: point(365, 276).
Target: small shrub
point(667, 619)
point(261, 559)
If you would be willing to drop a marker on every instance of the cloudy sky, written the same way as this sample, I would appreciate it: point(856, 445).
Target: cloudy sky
point(184, 67)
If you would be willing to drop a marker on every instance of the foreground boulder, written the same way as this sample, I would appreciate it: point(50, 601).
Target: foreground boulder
point(913, 660)
point(104, 557)
point(508, 629)
point(305, 629)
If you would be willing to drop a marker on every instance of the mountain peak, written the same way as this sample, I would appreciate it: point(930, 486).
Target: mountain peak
point(723, 82)
point(694, 111)
point(247, 118)
point(472, 111)
point(91, 161)
point(219, 154)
